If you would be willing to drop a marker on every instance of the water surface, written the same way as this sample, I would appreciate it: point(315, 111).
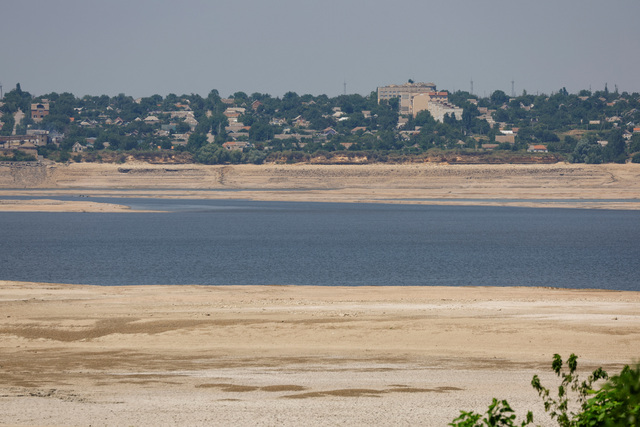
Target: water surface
point(239, 242)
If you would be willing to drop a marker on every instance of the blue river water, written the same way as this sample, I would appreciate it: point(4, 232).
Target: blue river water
point(239, 242)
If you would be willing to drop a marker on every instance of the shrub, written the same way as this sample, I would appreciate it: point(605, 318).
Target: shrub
point(617, 403)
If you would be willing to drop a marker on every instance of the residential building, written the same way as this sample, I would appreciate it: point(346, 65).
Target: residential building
point(404, 93)
point(236, 145)
point(78, 148)
point(39, 110)
point(537, 148)
point(436, 103)
point(180, 138)
point(416, 97)
point(301, 122)
point(14, 141)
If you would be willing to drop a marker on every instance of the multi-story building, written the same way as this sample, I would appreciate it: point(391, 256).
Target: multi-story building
point(437, 104)
point(39, 110)
point(404, 93)
point(416, 97)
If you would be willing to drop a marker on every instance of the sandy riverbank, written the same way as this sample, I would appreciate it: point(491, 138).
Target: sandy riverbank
point(277, 355)
point(608, 186)
point(48, 205)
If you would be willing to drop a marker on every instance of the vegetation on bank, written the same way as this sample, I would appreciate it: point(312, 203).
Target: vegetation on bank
point(588, 127)
point(578, 403)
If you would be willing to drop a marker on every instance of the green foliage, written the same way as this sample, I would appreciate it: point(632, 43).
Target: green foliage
point(499, 413)
point(577, 403)
point(8, 123)
point(261, 131)
point(196, 141)
point(119, 120)
point(616, 404)
point(587, 151)
point(559, 409)
point(64, 156)
point(254, 156)
point(634, 143)
point(616, 149)
point(498, 98)
point(15, 100)
point(212, 154)
point(17, 156)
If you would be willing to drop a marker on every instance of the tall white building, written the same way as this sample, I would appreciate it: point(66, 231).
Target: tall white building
point(416, 97)
point(404, 93)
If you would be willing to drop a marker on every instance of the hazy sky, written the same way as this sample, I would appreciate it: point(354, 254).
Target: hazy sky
point(146, 47)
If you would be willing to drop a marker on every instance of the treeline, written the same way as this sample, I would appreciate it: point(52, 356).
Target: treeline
point(591, 127)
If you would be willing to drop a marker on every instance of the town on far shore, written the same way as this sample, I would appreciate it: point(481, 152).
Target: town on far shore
point(407, 122)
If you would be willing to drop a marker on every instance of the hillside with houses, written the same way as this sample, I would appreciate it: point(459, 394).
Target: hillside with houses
point(398, 123)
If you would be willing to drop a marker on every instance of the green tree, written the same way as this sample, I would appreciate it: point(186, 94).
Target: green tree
point(578, 404)
point(469, 113)
point(634, 144)
point(196, 141)
point(261, 131)
point(616, 148)
point(498, 98)
point(587, 151)
point(240, 98)
point(212, 154)
point(559, 409)
point(617, 403)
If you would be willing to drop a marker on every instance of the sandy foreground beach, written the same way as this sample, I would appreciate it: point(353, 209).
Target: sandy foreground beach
point(293, 355)
point(288, 356)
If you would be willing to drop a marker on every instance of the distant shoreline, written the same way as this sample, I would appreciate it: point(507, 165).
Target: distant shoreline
point(609, 186)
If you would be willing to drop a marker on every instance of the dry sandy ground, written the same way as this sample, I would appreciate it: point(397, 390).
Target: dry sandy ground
point(48, 205)
point(280, 355)
point(272, 356)
point(559, 185)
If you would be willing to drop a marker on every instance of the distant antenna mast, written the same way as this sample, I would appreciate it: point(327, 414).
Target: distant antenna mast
point(345, 87)
point(513, 89)
point(0, 90)
point(471, 87)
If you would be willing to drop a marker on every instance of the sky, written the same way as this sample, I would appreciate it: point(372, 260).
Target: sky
point(146, 47)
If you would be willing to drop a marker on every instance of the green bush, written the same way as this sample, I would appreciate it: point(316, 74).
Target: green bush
point(617, 403)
